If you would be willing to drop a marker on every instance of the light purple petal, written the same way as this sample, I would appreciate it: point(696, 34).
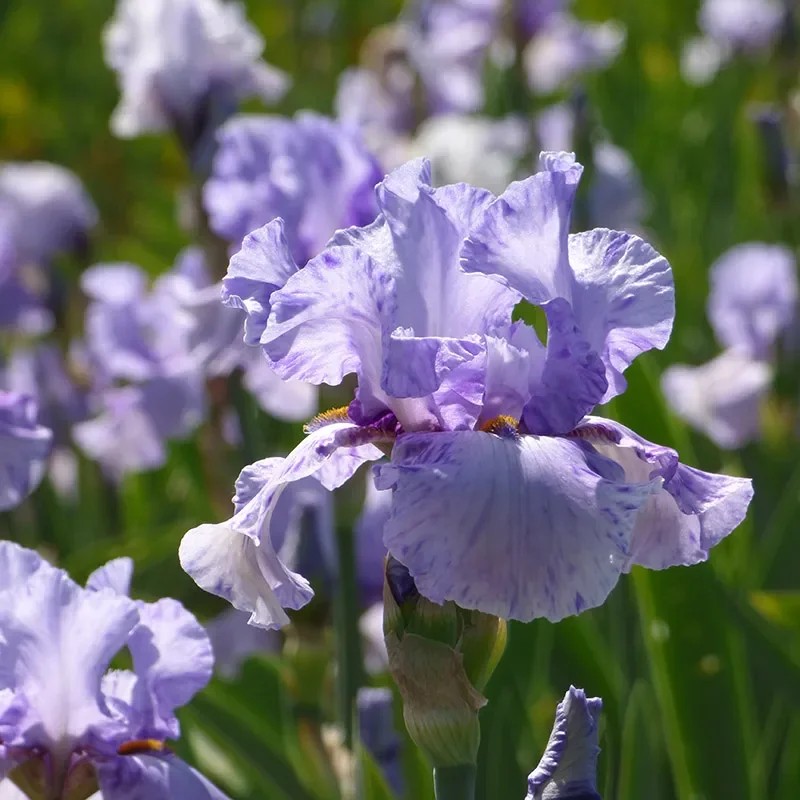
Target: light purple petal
point(753, 296)
point(145, 777)
point(747, 24)
point(17, 565)
point(692, 512)
point(173, 660)
point(115, 574)
point(376, 659)
point(571, 379)
point(721, 398)
point(237, 559)
point(378, 734)
point(516, 526)
point(569, 765)
point(58, 640)
point(262, 266)
point(119, 284)
point(623, 298)
point(24, 448)
point(522, 238)
point(176, 404)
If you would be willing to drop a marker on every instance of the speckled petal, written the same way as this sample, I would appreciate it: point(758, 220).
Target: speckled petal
point(522, 239)
point(516, 526)
point(623, 299)
point(568, 769)
point(237, 559)
point(693, 511)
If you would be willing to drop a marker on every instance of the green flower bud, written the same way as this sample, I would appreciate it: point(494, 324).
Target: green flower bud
point(439, 656)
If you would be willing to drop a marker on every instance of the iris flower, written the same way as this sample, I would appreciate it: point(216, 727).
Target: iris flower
point(568, 768)
point(24, 448)
point(507, 496)
point(67, 724)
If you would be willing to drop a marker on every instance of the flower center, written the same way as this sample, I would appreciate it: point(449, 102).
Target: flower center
point(138, 746)
point(503, 425)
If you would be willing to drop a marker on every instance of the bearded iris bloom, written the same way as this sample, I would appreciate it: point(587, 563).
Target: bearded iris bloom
point(24, 448)
point(507, 496)
point(68, 725)
point(568, 768)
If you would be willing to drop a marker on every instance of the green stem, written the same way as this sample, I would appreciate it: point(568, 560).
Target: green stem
point(455, 783)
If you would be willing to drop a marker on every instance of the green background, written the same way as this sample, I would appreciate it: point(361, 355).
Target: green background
point(699, 668)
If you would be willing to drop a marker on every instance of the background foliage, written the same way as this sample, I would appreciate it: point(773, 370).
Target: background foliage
point(699, 668)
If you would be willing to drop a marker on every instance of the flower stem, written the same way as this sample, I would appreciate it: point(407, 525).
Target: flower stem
point(455, 783)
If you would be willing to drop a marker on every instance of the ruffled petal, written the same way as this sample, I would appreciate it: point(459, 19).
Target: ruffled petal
point(145, 777)
point(329, 320)
point(262, 266)
point(568, 768)
point(173, 660)
point(58, 640)
point(516, 526)
point(623, 299)
point(571, 379)
point(237, 559)
point(115, 574)
point(692, 512)
point(721, 398)
point(17, 564)
point(521, 240)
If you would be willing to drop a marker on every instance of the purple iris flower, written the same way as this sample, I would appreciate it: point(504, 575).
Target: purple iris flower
point(378, 734)
point(214, 340)
point(311, 171)
point(185, 65)
point(24, 445)
point(753, 300)
point(46, 210)
point(568, 768)
point(748, 25)
point(566, 48)
point(531, 16)
point(64, 718)
point(136, 338)
point(507, 497)
point(753, 296)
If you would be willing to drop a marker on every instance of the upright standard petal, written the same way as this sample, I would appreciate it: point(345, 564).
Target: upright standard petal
point(568, 769)
point(516, 526)
point(58, 641)
point(24, 448)
point(721, 398)
point(691, 513)
point(753, 296)
point(237, 559)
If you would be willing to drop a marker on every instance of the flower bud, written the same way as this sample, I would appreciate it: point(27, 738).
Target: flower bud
point(439, 655)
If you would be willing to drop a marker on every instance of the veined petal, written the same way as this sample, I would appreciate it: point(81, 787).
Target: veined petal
point(522, 239)
point(568, 768)
point(154, 778)
point(58, 640)
point(329, 319)
point(173, 660)
point(569, 381)
point(516, 526)
point(261, 267)
point(115, 574)
point(237, 559)
point(623, 298)
point(721, 398)
point(693, 511)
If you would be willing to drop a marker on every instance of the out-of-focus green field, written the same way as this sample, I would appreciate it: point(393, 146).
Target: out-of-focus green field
point(699, 668)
